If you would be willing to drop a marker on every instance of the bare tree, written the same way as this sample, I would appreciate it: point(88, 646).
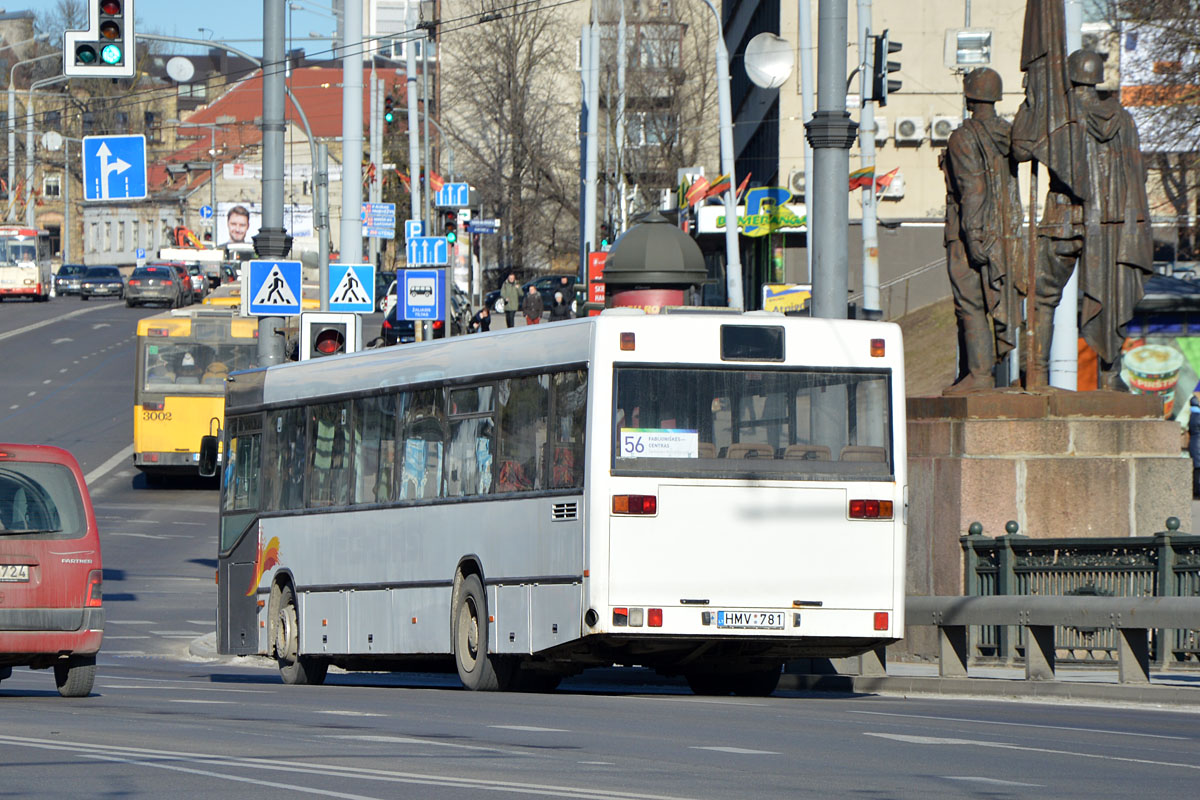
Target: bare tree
point(508, 106)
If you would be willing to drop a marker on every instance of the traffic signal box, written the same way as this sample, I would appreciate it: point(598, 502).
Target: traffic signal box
point(328, 333)
point(389, 110)
point(106, 49)
point(881, 86)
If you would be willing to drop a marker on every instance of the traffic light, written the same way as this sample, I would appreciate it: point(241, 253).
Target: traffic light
point(106, 49)
point(881, 85)
point(451, 227)
point(325, 333)
point(389, 110)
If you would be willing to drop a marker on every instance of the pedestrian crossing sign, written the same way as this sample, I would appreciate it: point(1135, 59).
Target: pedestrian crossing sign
point(352, 287)
point(274, 288)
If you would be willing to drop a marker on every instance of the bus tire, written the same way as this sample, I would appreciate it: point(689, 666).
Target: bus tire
point(708, 684)
point(74, 675)
point(759, 682)
point(477, 670)
point(295, 669)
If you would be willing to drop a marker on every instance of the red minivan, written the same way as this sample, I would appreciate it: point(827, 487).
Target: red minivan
point(50, 570)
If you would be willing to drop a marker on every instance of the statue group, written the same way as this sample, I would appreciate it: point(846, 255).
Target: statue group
point(1095, 217)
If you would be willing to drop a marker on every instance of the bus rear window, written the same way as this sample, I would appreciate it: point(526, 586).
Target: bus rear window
point(780, 424)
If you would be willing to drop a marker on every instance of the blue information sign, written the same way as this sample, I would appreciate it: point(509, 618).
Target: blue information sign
point(421, 294)
point(353, 287)
point(114, 167)
point(274, 288)
point(427, 251)
point(453, 195)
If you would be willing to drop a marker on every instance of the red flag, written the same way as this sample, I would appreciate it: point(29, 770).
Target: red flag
point(404, 179)
point(884, 181)
point(698, 191)
point(721, 184)
point(435, 182)
point(742, 187)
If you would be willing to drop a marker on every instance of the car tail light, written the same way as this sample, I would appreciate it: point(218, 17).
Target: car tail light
point(620, 617)
point(438, 324)
point(881, 620)
point(95, 587)
point(870, 509)
point(387, 325)
point(152, 457)
point(654, 617)
point(644, 504)
point(134, 282)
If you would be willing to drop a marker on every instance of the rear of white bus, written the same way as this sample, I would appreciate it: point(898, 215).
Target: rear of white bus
point(748, 506)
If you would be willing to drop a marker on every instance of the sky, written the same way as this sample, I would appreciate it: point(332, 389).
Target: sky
point(236, 22)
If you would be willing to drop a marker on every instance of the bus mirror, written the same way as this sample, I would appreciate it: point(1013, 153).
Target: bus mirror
point(208, 456)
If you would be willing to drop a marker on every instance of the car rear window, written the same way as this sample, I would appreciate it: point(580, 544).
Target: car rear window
point(39, 500)
point(152, 272)
point(104, 272)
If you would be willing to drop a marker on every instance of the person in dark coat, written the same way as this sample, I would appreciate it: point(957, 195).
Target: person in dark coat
point(482, 321)
point(532, 306)
point(560, 309)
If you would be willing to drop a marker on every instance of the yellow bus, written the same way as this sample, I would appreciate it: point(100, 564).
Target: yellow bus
point(183, 357)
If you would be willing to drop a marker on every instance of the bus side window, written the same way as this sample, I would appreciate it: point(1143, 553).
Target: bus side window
point(285, 469)
point(423, 443)
point(524, 410)
point(374, 448)
point(329, 456)
point(569, 409)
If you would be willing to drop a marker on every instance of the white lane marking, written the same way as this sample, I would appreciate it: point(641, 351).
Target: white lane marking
point(102, 470)
point(131, 622)
point(175, 633)
point(597, 763)
point(62, 340)
point(992, 723)
point(194, 524)
point(64, 369)
point(991, 781)
point(31, 394)
point(109, 637)
point(171, 760)
point(206, 702)
point(939, 740)
point(430, 742)
point(529, 728)
point(53, 320)
point(14, 408)
point(185, 689)
point(198, 621)
point(740, 751)
point(352, 713)
point(46, 381)
point(141, 535)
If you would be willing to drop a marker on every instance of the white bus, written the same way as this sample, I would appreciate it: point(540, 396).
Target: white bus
point(709, 495)
point(25, 256)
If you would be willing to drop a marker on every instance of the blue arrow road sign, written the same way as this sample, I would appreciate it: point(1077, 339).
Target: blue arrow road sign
point(275, 288)
point(114, 167)
point(205, 212)
point(453, 194)
point(422, 293)
point(427, 251)
point(353, 287)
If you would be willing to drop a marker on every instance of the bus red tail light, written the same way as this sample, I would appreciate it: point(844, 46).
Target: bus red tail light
point(157, 331)
point(877, 348)
point(881, 620)
point(620, 617)
point(150, 406)
point(654, 617)
point(643, 504)
point(95, 586)
point(870, 509)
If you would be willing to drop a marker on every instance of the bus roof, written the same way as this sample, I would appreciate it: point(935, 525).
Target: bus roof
point(178, 322)
point(658, 339)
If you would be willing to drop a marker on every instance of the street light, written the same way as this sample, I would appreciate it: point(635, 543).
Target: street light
point(12, 117)
point(733, 258)
point(29, 220)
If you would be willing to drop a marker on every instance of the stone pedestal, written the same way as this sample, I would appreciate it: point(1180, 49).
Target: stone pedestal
point(1085, 464)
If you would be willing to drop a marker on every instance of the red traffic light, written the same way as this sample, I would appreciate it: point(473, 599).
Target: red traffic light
point(110, 7)
point(330, 341)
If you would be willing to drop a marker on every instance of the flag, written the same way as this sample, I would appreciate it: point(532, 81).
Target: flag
point(435, 182)
point(862, 177)
point(403, 179)
point(721, 184)
point(742, 187)
point(884, 181)
point(698, 191)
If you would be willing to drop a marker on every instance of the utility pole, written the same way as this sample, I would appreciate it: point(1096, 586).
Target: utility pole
point(350, 244)
point(373, 172)
point(321, 192)
point(866, 146)
point(592, 142)
point(272, 240)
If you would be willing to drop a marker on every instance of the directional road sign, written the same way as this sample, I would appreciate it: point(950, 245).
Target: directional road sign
point(114, 167)
point(353, 287)
point(453, 195)
point(379, 220)
point(413, 227)
point(483, 226)
point(426, 251)
point(422, 293)
point(205, 212)
point(274, 289)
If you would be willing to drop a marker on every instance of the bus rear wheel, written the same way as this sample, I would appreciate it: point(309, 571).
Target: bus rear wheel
point(295, 669)
point(477, 670)
point(746, 682)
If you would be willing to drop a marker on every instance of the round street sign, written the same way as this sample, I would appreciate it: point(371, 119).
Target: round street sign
point(205, 212)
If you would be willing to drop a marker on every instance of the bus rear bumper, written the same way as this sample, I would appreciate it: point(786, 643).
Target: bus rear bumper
point(166, 462)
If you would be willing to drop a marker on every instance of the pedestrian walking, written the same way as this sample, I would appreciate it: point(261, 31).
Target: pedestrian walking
point(510, 295)
point(560, 309)
point(532, 307)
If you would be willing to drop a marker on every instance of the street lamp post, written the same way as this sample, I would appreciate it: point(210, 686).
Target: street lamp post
point(29, 220)
point(12, 116)
point(733, 257)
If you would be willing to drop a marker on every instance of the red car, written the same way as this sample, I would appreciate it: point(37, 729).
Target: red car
point(50, 569)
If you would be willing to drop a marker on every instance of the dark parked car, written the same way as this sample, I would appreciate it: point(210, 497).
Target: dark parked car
point(402, 331)
point(154, 283)
point(101, 282)
point(66, 280)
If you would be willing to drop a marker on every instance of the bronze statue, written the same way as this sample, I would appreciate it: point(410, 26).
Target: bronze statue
point(983, 233)
point(1096, 213)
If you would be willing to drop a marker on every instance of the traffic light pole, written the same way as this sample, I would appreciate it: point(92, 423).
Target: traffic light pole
point(272, 240)
point(866, 147)
point(350, 244)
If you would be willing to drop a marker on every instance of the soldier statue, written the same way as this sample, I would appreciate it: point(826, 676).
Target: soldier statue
point(1100, 219)
point(983, 233)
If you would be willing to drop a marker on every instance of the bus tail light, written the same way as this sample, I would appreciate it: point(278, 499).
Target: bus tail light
point(620, 617)
point(643, 504)
point(881, 620)
point(95, 586)
point(654, 617)
point(870, 509)
point(877, 348)
point(628, 342)
point(151, 406)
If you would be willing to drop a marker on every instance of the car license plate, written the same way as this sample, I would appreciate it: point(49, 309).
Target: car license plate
point(14, 573)
point(758, 620)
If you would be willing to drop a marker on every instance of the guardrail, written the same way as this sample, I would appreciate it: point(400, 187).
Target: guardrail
point(1132, 618)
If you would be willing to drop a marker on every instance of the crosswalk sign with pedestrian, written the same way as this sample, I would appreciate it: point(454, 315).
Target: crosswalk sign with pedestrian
point(353, 287)
point(274, 288)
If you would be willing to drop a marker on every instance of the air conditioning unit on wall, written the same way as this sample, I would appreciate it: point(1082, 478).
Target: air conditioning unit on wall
point(942, 127)
point(910, 130)
point(881, 129)
point(796, 183)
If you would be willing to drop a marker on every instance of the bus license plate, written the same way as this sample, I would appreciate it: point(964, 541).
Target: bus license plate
point(14, 573)
point(761, 620)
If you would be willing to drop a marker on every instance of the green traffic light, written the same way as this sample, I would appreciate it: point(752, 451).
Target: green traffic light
point(85, 54)
point(110, 54)
point(389, 116)
point(451, 237)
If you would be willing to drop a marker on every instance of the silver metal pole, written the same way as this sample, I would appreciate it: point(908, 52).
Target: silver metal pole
point(212, 180)
point(321, 190)
point(807, 95)
point(414, 150)
point(350, 244)
point(592, 166)
point(12, 147)
point(29, 156)
point(1064, 345)
point(622, 45)
point(373, 95)
point(272, 240)
point(733, 256)
point(866, 145)
point(66, 229)
point(425, 133)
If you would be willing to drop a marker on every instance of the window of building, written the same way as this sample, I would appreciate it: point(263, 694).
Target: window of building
point(52, 186)
point(198, 91)
point(658, 46)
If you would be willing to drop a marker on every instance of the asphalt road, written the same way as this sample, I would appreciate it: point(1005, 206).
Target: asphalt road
point(164, 722)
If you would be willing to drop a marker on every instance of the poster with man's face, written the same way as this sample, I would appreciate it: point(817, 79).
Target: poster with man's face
point(239, 222)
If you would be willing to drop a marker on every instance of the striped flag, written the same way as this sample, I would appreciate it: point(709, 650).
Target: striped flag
point(721, 184)
point(742, 187)
point(862, 178)
point(698, 191)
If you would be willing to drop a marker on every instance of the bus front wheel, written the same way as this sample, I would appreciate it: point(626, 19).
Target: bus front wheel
point(477, 670)
point(295, 669)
